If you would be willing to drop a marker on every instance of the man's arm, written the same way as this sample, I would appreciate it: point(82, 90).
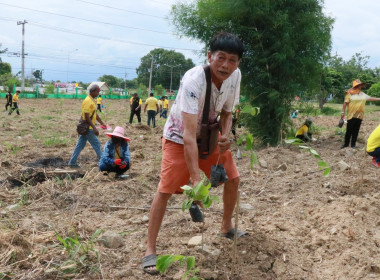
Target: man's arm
point(190, 123)
point(157, 107)
point(373, 99)
point(226, 124)
point(90, 123)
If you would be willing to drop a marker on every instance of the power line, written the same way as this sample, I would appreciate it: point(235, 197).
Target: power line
point(83, 19)
point(101, 37)
point(119, 9)
point(106, 38)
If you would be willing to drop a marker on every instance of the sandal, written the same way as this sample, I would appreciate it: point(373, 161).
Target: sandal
point(150, 262)
point(231, 233)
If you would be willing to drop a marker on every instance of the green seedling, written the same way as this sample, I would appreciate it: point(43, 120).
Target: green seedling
point(79, 252)
point(165, 261)
point(200, 192)
point(301, 145)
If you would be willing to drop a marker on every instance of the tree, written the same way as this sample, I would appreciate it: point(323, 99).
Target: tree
point(2, 51)
point(168, 66)
point(374, 90)
point(112, 81)
point(158, 90)
point(38, 75)
point(5, 68)
point(285, 41)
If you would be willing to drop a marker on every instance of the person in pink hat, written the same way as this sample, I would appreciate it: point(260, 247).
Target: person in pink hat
point(116, 157)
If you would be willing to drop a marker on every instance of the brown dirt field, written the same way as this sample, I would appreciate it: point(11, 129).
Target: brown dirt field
point(302, 225)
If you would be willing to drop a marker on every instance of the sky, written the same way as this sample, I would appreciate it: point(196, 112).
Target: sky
point(81, 40)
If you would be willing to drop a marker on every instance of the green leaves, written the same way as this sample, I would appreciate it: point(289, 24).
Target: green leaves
point(199, 192)
point(301, 145)
point(165, 261)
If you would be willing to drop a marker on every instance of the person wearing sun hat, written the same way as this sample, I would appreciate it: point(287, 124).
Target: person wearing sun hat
point(116, 157)
point(354, 102)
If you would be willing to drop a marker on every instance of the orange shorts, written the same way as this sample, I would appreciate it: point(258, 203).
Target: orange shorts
point(174, 171)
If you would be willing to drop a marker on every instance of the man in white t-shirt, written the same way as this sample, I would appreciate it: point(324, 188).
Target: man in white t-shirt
point(180, 161)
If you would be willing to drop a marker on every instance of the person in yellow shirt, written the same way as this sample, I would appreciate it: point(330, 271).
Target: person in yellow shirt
point(135, 105)
point(165, 107)
point(152, 105)
point(160, 106)
point(15, 103)
point(373, 146)
point(99, 103)
point(354, 101)
point(303, 132)
point(88, 114)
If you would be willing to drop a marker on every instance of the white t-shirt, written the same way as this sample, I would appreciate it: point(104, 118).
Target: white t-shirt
point(191, 97)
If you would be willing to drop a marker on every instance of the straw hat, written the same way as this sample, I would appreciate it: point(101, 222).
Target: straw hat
point(357, 82)
point(118, 132)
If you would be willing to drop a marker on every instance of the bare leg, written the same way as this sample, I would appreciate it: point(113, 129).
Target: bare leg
point(229, 201)
point(156, 216)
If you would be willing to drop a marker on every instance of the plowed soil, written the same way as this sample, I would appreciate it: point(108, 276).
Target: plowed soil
point(302, 225)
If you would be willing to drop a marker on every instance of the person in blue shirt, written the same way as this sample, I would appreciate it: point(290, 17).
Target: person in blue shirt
point(116, 157)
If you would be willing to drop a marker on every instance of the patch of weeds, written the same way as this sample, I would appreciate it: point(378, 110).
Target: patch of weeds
point(317, 129)
point(46, 118)
point(56, 142)
point(328, 111)
point(6, 275)
point(82, 254)
point(165, 261)
point(24, 196)
point(31, 110)
point(340, 131)
point(11, 148)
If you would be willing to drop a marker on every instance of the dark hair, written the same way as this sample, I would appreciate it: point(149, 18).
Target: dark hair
point(17, 91)
point(227, 42)
point(151, 94)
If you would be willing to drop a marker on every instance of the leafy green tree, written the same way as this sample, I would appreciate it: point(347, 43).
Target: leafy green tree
point(12, 81)
point(374, 90)
point(158, 90)
point(144, 91)
point(38, 75)
point(5, 68)
point(332, 83)
point(112, 81)
point(167, 65)
point(285, 42)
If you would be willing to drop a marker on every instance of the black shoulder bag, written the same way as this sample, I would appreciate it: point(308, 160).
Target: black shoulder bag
point(83, 127)
point(208, 139)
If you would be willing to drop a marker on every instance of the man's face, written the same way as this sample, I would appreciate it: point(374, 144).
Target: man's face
point(95, 93)
point(222, 65)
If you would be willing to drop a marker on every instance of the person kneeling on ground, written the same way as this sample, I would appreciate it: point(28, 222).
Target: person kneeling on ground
point(373, 146)
point(116, 156)
point(303, 132)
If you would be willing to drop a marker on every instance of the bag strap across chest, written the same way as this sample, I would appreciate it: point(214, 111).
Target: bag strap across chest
point(206, 107)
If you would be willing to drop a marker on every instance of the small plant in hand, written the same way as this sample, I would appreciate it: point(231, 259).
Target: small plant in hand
point(165, 261)
point(200, 193)
point(322, 164)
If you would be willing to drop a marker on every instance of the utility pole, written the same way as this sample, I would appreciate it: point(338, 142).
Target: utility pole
point(22, 55)
point(150, 76)
point(171, 74)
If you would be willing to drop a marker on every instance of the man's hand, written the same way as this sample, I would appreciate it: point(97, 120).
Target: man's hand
point(96, 132)
point(224, 144)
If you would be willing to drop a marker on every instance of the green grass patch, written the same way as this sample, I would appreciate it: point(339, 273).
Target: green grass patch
point(56, 142)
